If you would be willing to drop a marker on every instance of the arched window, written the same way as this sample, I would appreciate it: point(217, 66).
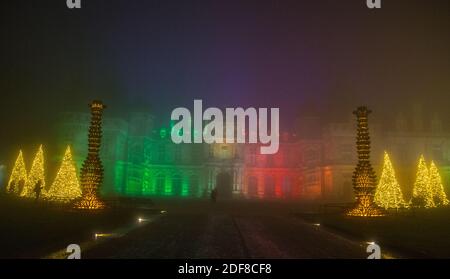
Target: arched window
point(161, 153)
point(287, 187)
point(194, 186)
point(252, 190)
point(269, 189)
point(160, 184)
point(176, 186)
point(211, 151)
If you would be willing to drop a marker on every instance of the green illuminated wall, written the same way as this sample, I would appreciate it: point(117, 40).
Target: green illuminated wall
point(138, 160)
point(157, 167)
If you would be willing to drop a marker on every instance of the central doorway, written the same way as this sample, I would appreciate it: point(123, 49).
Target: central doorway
point(224, 185)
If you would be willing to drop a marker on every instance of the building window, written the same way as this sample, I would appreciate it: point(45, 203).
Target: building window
point(311, 155)
point(225, 152)
point(328, 180)
point(160, 184)
point(287, 187)
point(252, 190)
point(211, 151)
point(269, 189)
point(177, 185)
point(193, 183)
point(161, 153)
point(311, 180)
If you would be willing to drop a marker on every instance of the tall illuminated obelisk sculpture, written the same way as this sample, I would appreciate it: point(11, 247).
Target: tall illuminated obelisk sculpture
point(364, 178)
point(92, 170)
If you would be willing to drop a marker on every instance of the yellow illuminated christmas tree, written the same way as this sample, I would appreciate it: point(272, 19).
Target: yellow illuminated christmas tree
point(422, 192)
point(18, 176)
point(36, 175)
point(436, 186)
point(66, 186)
point(389, 194)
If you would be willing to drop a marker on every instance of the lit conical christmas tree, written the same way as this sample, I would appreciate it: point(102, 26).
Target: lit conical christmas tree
point(37, 173)
point(437, 188)
point(66, 186)
point(422, 192)
point(18, 175)
point(389, 194)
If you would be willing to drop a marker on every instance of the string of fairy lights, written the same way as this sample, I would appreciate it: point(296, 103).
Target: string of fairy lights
point(364, 178)
point(371, 197)
point(18, 176)
point(388, 194)
point(65, 187)
point(428, 189)
point(92, 171)
point(36, 175)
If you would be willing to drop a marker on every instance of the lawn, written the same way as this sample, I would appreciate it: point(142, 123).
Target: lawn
point(423, 233)
point(33, 230)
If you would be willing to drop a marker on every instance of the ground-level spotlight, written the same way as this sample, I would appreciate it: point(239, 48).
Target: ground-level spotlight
point(142, 220)
point(102, 235)
point(163, 212)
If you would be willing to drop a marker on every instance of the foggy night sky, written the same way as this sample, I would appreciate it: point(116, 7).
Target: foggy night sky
point(157, 55)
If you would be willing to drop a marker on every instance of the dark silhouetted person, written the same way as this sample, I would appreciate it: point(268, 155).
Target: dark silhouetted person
point(12, 186)
point(38, 189)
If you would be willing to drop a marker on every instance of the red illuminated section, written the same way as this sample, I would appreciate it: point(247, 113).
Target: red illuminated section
point(284, 175)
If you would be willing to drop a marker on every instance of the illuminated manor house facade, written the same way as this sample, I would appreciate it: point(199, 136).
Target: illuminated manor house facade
point(313, 163)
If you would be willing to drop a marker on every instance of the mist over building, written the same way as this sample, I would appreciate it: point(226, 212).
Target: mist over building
point(315, 161)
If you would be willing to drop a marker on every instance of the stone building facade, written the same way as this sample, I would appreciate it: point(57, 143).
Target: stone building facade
point(315, 162)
